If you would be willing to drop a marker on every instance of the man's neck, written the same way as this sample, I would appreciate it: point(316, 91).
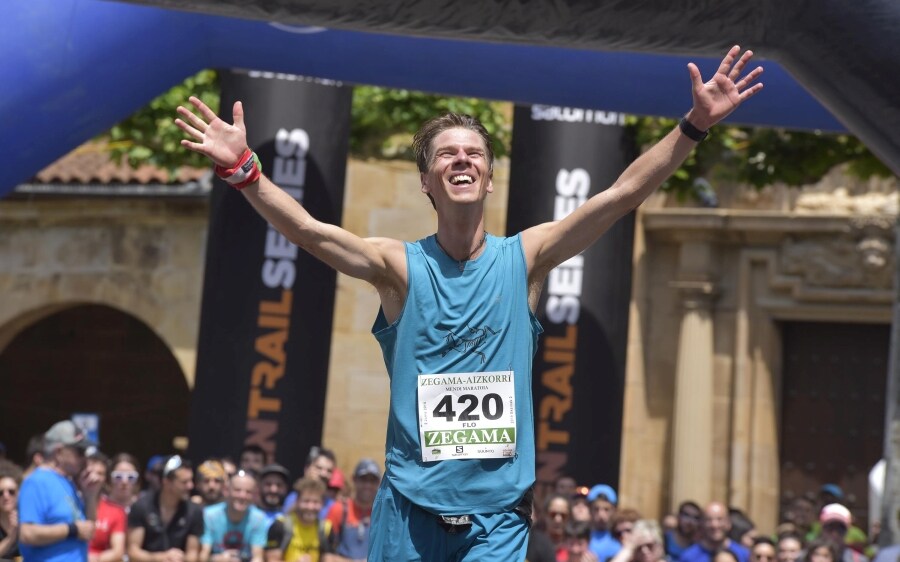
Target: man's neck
point(234, 515)
point(461, 241)
point(714, 546)
point(362, 506)
point(51, 465)
point(168, 500)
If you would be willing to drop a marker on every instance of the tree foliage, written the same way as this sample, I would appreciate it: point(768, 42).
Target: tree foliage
point(760, 156)
point(384, 120)
point(150, 135)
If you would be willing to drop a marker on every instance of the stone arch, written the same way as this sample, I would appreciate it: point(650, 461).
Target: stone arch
point(89, 357)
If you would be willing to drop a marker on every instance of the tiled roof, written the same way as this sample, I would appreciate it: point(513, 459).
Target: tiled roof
point(90, 163)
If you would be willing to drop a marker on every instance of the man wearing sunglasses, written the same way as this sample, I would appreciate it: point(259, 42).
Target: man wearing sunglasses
point(56, 521)
point(164, 525)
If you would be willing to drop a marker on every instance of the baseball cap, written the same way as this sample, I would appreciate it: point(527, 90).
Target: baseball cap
point(835, 512)
point(275, 468)
point(832, 489)
point(603, 491)
point(156, 462)
point(366, 466)
point(66, 433)
point(337, 479)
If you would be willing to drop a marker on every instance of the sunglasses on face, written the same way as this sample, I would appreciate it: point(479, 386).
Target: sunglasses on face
point(11, 492)
point(124, 476)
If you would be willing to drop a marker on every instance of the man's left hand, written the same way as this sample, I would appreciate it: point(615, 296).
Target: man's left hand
point(725, 91)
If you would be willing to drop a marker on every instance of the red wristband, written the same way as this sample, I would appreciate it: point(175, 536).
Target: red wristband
point(224, 172)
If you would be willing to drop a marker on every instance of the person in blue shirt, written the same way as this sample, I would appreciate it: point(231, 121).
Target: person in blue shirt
point(686, 531)
point(714, 529)
point(603, 501)
point(456, 325)
point(235, 530)
point(58, 501)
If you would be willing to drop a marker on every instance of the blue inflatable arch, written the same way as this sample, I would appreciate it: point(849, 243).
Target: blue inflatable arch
point(73, 68)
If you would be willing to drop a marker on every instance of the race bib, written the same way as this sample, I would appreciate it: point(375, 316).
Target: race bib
point(467, 416)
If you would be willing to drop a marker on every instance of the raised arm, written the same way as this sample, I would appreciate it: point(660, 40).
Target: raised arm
point(548, 245)
point(379, 261)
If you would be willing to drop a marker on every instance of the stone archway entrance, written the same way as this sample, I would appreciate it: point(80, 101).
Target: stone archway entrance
point(93, 358)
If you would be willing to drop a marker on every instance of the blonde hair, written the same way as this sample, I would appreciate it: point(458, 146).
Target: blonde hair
point(648, 527)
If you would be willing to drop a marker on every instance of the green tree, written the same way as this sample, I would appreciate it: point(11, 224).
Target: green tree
point(384, 120)
point(760, 156)
point(150, 135)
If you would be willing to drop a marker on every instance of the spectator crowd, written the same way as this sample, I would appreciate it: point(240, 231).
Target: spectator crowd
point(73, 503)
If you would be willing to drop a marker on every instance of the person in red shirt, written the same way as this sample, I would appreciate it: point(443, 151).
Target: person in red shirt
point(125, 481)
point(352, 519)
point(108, 542)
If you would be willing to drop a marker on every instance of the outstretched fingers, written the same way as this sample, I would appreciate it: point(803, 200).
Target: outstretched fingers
point(739, 65)
point(750, 78)
point(204, 109)
point(188, 129)
point(194, 146)
point(725, 65)
point(749, 92)
point(191, 118)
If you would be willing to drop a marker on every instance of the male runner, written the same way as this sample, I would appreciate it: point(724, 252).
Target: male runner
point(456, 323)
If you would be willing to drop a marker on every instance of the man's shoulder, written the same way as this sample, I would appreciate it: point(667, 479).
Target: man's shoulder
point(256, 515)
point(146, 500)
point(39, 477)
point(214, 511)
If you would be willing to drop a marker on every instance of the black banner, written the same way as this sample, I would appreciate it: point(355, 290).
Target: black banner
point(265, 328)
point(560, 158)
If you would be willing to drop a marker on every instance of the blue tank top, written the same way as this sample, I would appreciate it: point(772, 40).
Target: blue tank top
point(471, 321)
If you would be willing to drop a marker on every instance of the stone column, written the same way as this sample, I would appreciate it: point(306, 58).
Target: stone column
point(693, 415)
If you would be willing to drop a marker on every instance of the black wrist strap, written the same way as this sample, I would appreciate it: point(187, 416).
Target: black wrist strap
point(691, 131)
point(73, 531)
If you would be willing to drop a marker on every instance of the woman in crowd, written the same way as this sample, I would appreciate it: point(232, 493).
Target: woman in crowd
point(108, 542)
point(124, 481)
point(557, 512)
point(821, 551)
point(643, 544)
point(763, 550)
point(10, 478)
point(789, 547)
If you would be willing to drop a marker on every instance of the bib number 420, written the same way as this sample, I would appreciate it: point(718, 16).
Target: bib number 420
point(491, 407)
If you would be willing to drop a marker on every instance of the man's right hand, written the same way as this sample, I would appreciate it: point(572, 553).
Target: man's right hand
point(222, 143)
point(85, 529)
